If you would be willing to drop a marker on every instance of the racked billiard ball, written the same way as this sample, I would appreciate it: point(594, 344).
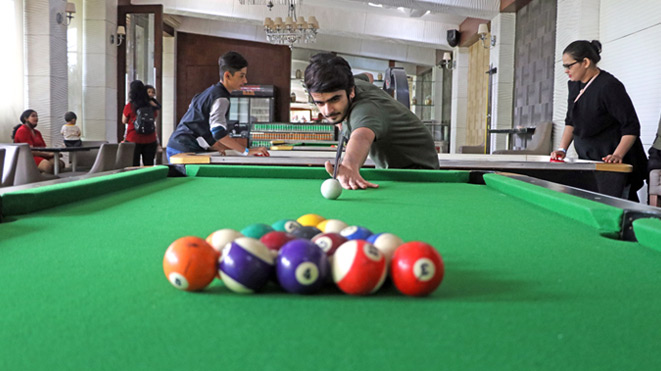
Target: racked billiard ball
point(246, 265)
point(306, 232)
point(310, 220)
point(285, 225)
point(256, 230)
point(275, 240)
point(358, 267)
point(416, 268)
point(386, 242)
point(190, 263)
point(329, 242)
point(222, 237)
point(301, 267)
point(355, 232)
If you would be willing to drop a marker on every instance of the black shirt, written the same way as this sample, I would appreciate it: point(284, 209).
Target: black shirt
point(600, 117)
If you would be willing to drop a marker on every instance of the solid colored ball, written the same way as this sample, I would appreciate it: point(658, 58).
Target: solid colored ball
point(285, 225)
point(332, 226)
point(256, 230)
point(301, 267)
point(416, 268)
point(190, 263)
point(310, 220)
point(386, 242)
point(331, 189)
point(329, 242)
point(355, 233)
point(246, 265)
point(222, 237)
point(359, 268)
point(275, 240)
point(306, 232)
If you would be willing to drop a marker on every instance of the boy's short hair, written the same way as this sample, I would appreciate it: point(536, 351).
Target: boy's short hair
point(232, 62)
point(328, 73)
point(70, 116)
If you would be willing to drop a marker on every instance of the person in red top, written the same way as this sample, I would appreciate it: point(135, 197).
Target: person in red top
point(145, 144)
point(26, 133)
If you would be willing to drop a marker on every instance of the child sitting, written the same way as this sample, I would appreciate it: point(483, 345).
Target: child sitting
point(70, 131)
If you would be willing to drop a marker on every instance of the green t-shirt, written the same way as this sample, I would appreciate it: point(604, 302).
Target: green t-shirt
point(401, 140)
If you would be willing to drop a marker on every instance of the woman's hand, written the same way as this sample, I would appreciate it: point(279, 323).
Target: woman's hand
point(613, 159)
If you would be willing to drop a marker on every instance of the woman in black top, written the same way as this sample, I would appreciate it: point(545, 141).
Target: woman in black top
point(601, 119)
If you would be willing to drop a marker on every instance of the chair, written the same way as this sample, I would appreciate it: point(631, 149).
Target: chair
point(478, 149)
point(85, 159)
point(26, 169)
point(9, 164)
point(654, 187)
point(540, 144)
point(106, 160)
point(125, 155)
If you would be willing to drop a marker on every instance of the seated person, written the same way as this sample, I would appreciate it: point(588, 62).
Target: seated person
point(70, 131)
point(26, 133)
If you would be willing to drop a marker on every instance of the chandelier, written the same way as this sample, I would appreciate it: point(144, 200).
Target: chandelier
point(293, 30)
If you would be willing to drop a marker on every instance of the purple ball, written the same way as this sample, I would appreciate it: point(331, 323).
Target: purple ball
point(301, 267)
point(246, 265)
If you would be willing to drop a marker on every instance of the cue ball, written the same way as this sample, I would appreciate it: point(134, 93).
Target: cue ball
point(190, 263)
point(331, 189)
point(416, 268)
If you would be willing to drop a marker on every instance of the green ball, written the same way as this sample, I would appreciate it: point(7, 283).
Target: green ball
point(256, 230)
point(286, 225)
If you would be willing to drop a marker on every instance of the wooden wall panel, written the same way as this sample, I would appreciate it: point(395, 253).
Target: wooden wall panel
point(197, 67)
point(478, 84)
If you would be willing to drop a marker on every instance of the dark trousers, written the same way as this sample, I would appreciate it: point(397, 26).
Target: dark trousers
point(145, 150)
point(73, 143)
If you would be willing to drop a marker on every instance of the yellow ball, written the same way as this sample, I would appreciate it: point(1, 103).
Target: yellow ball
point(310, 220)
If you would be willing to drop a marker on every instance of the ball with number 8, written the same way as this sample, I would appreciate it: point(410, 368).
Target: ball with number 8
point(416, 268)
point(359, 268)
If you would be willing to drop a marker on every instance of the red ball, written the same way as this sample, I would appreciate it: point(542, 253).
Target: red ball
point(329, 242)
point(275, 240)
point(416, 268)
point(359, 268)
point(190, 263)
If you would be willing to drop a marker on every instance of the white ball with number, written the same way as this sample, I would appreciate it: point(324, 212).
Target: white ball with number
point(358, 267)
point(331, 189)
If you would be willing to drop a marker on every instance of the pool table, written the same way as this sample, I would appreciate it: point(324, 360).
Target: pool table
point(535, 278)
point(608, 179)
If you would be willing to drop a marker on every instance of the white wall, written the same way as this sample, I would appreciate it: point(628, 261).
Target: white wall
point(628, 31)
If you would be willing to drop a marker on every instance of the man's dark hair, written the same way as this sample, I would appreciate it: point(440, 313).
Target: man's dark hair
point(327, 73)
point(70, 116)
point(232, 62)
point(582, 49)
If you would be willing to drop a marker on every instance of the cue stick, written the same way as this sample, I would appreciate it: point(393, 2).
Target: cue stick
point(340, 146)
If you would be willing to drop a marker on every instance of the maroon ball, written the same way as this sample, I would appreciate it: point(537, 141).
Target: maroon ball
point(276, 239)
point(329, 242)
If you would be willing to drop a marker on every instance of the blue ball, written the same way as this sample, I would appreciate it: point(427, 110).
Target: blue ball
point(301, 267)
point(371, 239)
point(355, 232)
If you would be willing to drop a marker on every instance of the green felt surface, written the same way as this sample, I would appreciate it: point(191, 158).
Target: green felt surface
point(524, 289)
point(648, 232)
